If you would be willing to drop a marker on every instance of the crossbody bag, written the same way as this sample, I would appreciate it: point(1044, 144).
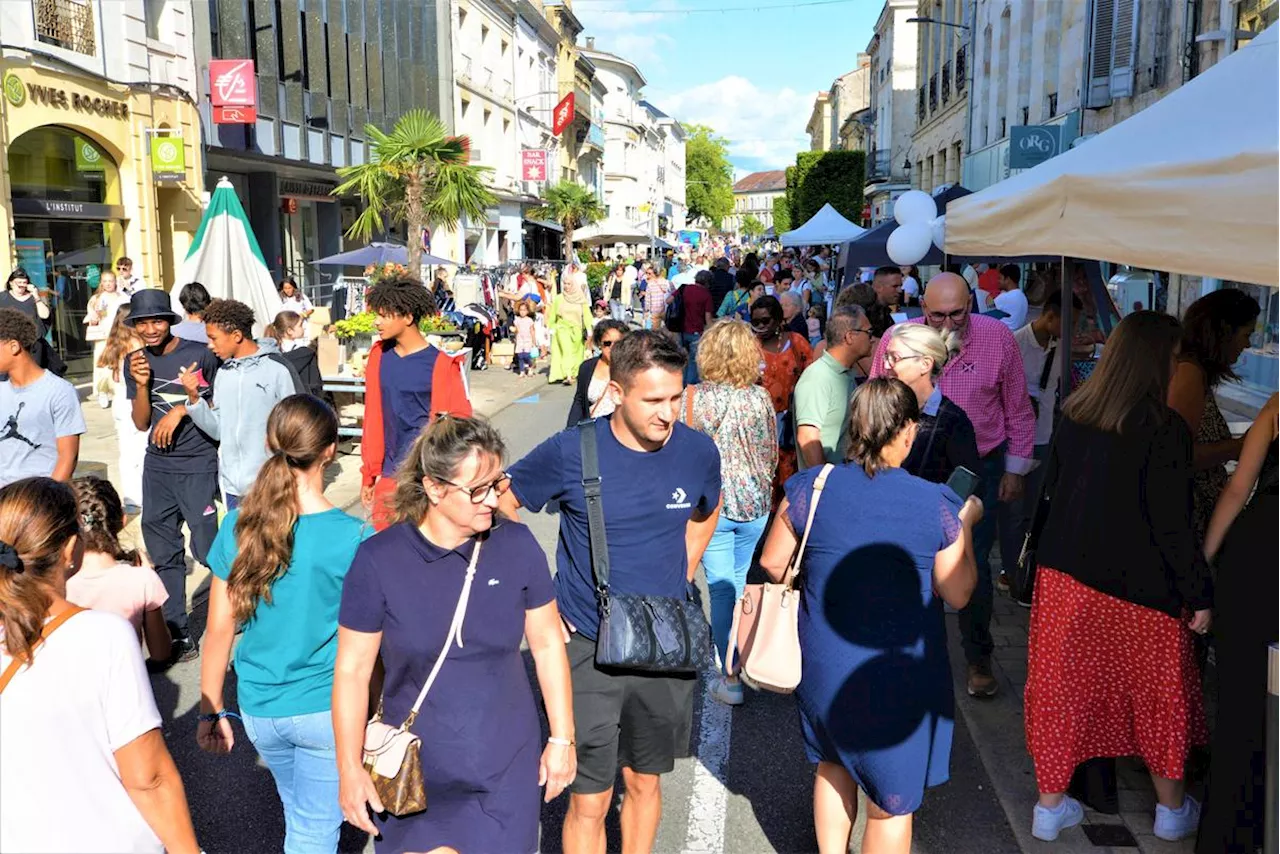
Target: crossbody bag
point(393, 755)
point(662, 634)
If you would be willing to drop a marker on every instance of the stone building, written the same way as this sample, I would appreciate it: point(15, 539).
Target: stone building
point(891, 111)
point(942, 97)
point(849, 95)
point(753, 195)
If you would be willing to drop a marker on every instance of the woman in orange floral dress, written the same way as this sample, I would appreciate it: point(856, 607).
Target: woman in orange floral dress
point(785, 355)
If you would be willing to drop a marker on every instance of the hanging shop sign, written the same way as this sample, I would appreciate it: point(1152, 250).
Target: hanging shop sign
point(168, 158)
point(533, 164)
point(233, 91)
point(18, 94)
point(562, 115)
point(1031, 145)
point(312, 190)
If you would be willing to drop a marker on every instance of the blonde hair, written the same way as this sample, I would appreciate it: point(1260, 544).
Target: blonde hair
point(437, 453)
point(728, 354)
point(924, 340)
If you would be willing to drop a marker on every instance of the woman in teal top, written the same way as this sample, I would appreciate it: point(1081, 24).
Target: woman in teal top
point(278, 562)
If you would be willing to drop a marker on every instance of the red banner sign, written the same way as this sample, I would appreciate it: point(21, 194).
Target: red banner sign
point(562, 116)
point(233, 91)
point(533, 164)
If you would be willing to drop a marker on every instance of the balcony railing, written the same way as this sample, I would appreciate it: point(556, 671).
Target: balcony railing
point(933, 93)
point(67, 24)
point(946, 82)
point(920, 102)
point(879, 166)
point(961, 69)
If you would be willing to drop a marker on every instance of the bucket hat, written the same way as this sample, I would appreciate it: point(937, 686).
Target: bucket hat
point(151, 304)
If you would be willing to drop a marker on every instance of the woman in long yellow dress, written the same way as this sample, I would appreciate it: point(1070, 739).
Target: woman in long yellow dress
point(569, 319)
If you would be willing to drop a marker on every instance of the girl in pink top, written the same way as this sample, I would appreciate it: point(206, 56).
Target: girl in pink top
point(112, 578)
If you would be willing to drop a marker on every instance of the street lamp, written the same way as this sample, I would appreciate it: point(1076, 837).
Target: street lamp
point(939, 23)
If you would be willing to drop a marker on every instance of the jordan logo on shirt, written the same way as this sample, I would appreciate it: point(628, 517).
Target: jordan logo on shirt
point(10, 430)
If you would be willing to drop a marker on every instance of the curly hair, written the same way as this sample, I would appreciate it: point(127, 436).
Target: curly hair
point(101, 518)
point(16, 326)
point(728, 354)
point(230, 316)
point(402, 297)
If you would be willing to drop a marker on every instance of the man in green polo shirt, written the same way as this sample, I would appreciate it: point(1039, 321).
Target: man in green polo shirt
point(823, 391)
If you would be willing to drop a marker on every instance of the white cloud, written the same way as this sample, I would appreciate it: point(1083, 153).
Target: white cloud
point(764, 127)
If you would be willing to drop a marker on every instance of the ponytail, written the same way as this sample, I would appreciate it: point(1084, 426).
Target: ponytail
point(37, 519)
point(300, 431)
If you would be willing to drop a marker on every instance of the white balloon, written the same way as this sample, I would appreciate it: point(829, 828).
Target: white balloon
point(914, 206)
point(907, 244)
point(939, 229)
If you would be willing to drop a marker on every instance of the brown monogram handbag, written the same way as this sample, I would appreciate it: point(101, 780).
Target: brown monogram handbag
point(393, 755)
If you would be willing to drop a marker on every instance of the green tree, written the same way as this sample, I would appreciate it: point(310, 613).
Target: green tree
point(419, 175)
point(752, 227)
point(708, 175)
point(781, 214)
point(572, 206)
point(792, 194)
point(822, 177)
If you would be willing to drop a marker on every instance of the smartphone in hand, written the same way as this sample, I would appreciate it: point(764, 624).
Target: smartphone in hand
point(963, 482)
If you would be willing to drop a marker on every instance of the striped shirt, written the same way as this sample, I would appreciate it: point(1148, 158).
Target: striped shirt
point(986, 379)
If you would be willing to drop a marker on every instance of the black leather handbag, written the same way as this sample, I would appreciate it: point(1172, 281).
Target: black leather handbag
point(660, 634)
point(1022, 582)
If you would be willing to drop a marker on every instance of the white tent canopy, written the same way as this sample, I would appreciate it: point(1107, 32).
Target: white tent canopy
point(823, 228)
point(1188, 185)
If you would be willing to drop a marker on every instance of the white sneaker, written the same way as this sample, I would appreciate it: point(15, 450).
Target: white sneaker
point(729, 693)
point(104, 400)
point(1047, 823)
point(1172, 825)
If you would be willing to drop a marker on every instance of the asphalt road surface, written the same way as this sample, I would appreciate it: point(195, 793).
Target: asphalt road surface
point(745, 788)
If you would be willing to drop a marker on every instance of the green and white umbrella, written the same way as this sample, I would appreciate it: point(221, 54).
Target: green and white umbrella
point(226, 259)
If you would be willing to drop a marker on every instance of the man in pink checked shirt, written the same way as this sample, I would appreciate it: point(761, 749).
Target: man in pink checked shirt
point(988, 382)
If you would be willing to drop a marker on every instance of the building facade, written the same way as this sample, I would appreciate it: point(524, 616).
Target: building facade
point(753, 195)
point(78, 188)
point(938, 143)
point(671, 213)
point(631, 144)
point(582, 144)
point(891, 119)
point(325, 70)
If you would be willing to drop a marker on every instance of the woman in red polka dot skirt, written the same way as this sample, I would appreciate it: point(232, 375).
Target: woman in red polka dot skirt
point(1122, 586)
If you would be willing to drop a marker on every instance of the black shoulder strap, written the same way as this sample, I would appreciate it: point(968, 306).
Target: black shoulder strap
point(1048, 366)
point(595, 509)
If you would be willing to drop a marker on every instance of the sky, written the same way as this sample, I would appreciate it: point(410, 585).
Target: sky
point(748, 68)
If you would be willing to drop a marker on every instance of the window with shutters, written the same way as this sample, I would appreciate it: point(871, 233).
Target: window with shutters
point(1113, 50)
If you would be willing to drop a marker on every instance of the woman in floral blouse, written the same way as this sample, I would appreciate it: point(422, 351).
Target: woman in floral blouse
point(731, 407)
point(786, 354)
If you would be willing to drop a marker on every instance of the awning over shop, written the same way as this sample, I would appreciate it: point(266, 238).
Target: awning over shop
point(609, 231)
point(1189, 185)
point(550, 226)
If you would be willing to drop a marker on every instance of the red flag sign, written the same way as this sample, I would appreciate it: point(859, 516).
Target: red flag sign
point(533, 164)
point(562, 116)
point(233, 91)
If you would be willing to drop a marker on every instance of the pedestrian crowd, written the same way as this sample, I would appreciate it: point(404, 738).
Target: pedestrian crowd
point(869, 446)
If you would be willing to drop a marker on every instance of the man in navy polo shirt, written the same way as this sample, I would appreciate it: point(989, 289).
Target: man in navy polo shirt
point(661, 497)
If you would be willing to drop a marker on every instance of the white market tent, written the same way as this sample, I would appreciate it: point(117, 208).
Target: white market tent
point(825, 227)
point(1189, 185)
point(609, 231)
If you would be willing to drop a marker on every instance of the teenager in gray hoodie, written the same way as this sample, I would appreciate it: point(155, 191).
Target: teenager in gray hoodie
point(253, 378)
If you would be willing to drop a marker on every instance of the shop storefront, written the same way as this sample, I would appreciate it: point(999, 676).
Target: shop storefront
point(81, 187)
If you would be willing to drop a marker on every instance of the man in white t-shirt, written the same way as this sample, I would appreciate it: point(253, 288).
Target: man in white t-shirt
point(1012, 301)
point(1041, 362)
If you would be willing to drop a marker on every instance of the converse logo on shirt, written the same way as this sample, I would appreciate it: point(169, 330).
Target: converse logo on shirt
point(679, 500)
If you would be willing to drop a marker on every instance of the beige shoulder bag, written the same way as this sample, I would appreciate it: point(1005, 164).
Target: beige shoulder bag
point(393, 755)
point(765, 636)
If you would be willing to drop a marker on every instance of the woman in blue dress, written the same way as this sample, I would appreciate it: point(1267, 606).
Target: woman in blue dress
point(482, 751)
point(886, 550)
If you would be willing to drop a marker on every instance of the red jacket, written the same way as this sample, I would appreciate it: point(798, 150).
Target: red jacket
point(448, 394)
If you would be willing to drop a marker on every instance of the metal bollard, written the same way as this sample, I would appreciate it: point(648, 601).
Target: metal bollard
point(1269, 836)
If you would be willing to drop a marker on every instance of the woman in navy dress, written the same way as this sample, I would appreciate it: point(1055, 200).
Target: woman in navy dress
point(482, 749)
point(886, 550)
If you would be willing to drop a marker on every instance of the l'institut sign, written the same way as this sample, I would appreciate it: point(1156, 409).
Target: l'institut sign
point(18, 93)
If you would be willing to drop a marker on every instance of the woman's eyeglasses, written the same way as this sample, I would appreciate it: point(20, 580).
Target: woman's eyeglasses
point(892, 359)
point(479, 494)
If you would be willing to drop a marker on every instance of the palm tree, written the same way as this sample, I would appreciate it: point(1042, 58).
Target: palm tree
point(572, 206)
point(419, 175)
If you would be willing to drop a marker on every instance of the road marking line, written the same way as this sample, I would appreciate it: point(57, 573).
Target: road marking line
point(709, 797)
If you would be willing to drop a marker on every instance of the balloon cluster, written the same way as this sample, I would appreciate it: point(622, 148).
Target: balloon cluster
point(918, 226)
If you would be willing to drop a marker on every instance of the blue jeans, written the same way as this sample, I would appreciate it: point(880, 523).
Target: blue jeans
point(300, 753)
point(617, 310)
point(998, 518)
point(726, 561)
point(690, 342)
